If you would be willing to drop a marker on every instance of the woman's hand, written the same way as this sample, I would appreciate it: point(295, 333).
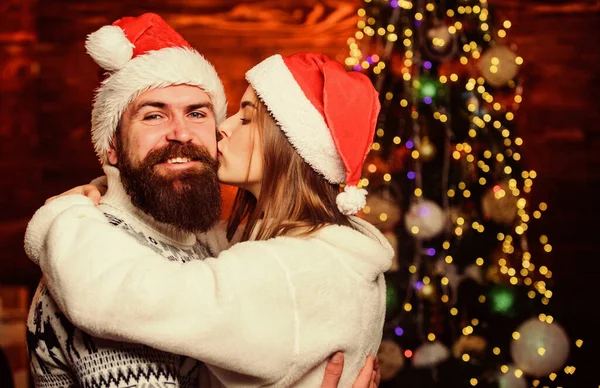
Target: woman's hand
point(92, 191)
point(369, 376)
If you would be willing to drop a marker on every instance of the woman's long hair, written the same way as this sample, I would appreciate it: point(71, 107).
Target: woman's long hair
point(294, 199)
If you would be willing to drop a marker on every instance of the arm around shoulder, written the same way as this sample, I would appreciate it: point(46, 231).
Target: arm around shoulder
point(39, 225)
point(218, 310)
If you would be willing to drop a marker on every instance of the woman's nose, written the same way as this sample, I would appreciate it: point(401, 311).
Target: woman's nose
point(225, 128)
point(221, 135)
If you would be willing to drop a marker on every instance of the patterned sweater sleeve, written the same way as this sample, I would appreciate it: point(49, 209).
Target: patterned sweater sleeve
point(218, 310)
point(63, 356)
point(50, 342)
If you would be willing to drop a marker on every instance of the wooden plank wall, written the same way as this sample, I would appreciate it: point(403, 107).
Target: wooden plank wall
point(47, 80)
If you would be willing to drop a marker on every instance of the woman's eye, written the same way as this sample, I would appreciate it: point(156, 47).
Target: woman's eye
point(245, 121)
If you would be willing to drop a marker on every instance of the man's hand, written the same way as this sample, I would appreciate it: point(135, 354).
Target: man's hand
point(369, 376)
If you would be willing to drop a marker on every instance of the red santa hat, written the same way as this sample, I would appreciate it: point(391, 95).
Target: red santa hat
point(143, 53)
point(327, 113)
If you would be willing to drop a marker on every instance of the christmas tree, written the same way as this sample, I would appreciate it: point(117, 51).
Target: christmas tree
point(468, 295)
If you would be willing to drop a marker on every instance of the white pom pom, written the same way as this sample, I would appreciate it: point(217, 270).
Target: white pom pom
point(351, 200)
point(430, 354)
point(109, 47)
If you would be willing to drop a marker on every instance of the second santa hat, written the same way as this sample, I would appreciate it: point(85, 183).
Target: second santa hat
point(327, 113)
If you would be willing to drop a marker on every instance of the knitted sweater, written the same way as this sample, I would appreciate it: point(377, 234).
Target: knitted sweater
point(261, 314)
point(63, 356)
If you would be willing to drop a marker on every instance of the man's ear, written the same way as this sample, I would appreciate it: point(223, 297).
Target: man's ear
point(112, 152)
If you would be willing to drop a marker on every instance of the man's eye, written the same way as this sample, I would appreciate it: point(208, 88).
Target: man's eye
point(197, 115)
point(152, 117)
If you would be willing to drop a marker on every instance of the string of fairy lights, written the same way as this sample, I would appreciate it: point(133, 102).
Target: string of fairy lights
point(402, 29)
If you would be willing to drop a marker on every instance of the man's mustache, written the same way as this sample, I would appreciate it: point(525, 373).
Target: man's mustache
point(178, 150)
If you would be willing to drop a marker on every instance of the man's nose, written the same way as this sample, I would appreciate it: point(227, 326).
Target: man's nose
point(180, 131)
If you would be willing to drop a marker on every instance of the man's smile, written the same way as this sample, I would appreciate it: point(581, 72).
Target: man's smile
point(178, 163)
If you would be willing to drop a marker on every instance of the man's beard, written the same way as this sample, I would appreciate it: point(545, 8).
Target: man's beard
point(190, 199)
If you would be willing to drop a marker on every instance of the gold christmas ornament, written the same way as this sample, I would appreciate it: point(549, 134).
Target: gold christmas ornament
point(382, 210)
point(428, 292)
point(499, 204)
point(427, 149)
point(498, 65)
point(470, 344)
point(440, 38)
point(391, 359)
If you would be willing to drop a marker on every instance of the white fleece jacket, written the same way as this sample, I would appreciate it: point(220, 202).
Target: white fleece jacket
point(261, 314)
